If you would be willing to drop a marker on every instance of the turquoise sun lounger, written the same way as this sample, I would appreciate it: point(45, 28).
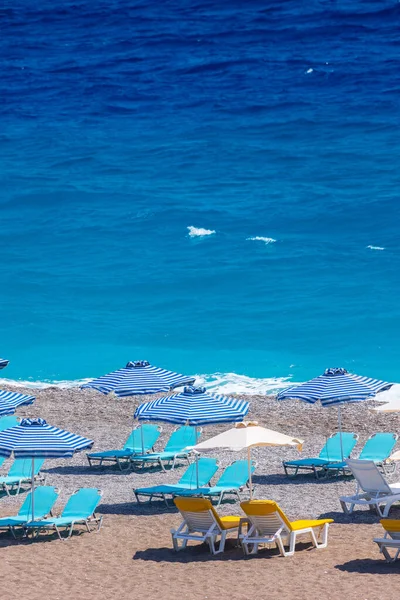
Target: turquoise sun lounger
point(182, 438)
point(330, 453)
point(207, 467)
point(21, 472)
point(141, 438)
point(232, 481)
point(80, 509)
point(377, 448)
point(44, 497)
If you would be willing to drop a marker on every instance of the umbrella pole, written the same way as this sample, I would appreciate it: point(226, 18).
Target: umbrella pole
point(250, 479)
point(33, 488)
point(197, 460)
point(340, 432)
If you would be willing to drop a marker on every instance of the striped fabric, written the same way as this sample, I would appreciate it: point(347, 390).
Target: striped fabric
point(335, 386)
point(194, 406)
point(3, 363)
point(138, 377)
point(9, 401)
point(35, 438)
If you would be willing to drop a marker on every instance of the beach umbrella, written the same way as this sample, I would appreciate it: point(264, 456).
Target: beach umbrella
point(247, 436)
point(9, 401)
point(391, 399)
point(335, 387)
point(34, 438)
point(3, 363)
point(138, 377)
point(194, 406)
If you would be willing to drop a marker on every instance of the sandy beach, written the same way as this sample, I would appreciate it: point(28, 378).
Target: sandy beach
point(132, 554)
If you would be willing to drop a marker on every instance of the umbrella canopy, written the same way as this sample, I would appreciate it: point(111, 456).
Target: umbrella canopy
point(193, 406)
point(9, 401)
point(138, 377)
point(335, 386)
point(35, 438)
point(391, 398)
point(247, 435)
point(3, 363)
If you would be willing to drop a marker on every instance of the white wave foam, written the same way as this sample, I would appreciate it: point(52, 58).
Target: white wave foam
point(42, 385)
point(375, 247)
point(311, 70)
point(258, 238)
point(232, 383)
point(223, 383)
point(199, 231)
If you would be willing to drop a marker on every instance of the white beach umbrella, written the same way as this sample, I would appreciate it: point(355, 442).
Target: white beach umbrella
point(247, 435)
point(391, 399)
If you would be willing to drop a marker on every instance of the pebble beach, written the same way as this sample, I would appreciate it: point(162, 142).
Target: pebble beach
point(134, 546)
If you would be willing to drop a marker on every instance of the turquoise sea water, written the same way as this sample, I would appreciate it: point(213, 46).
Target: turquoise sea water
point(125, 123)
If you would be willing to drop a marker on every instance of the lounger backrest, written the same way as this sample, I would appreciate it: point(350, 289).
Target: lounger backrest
point(266, 516)
point(82, 503)
point(7, 422)
point(207, 469)
point(378, 447)
point(22, 467)
point(392, 526)
point(151, 433)
point(45, 497)
point(368, 476)
point(181, 438)
point(198, 513)
point(236, 475)
point(332, 449)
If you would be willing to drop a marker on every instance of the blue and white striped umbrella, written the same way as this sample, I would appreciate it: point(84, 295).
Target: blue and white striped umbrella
point(194, 406)
point(139, 377)
point(35, 438)
point(335, 386)
point(9, 402)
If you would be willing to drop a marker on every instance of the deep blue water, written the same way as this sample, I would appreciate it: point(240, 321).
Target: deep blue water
point(123, 123)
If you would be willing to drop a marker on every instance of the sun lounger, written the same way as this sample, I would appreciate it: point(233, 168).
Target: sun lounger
point(268, 524)
point(391, 539)
point(207, 467)
point(232, 481)
point(44, 496)
point(21, 472)
point(372, 490)
point(330, 453)
point(377, 448)
point(141, 438)
point(178, 446)
point(8, 421)
point(202, 523)
point(80, 509)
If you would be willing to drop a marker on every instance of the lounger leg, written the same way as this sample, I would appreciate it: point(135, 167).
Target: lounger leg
point(280, 546)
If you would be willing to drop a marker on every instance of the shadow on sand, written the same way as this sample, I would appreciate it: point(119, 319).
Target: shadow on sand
point(369, 565)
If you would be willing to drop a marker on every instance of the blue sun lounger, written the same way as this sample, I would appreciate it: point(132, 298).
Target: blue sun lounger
point(141, 438)
point(207, 467)
point(377, 448)
point(80, 509)
point(21, 472)
point(6, 423)
point(330, 453)
point(232, 481)
point(45, 498)
point(178, 446)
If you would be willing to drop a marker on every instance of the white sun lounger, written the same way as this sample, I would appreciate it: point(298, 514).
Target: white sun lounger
point(372, 490)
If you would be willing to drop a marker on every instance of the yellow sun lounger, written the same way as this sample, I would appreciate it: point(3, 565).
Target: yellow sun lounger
point(269, 524)
point(390, 540)
point(201, 522)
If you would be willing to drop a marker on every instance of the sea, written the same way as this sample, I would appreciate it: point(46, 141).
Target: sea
point(209, 186)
